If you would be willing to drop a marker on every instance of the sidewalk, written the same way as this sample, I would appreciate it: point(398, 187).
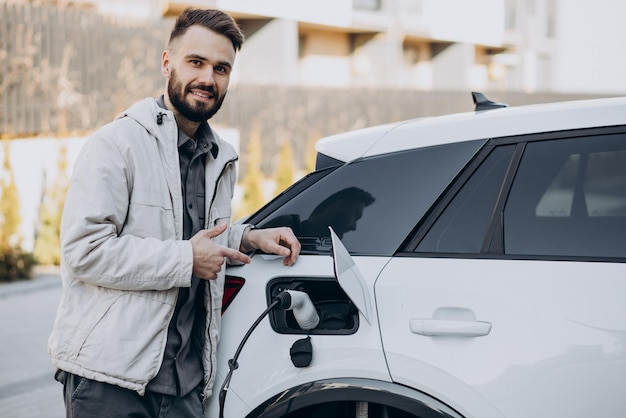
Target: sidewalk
point(27, 386)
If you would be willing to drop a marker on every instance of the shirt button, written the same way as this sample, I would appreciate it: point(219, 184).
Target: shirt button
point(190, 205)
point(180, 322)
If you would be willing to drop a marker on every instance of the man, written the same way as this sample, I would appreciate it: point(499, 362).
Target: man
point(144, 236)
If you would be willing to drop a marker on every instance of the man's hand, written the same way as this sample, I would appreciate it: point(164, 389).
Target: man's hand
point(208, 256)
point(280, 241)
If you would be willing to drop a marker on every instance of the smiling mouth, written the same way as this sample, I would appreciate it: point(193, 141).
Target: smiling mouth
point(203, 94)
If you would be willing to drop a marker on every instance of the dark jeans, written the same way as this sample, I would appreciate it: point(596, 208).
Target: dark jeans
point(85, 398)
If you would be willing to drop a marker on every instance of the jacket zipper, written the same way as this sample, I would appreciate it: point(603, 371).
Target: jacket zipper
point(209, 217)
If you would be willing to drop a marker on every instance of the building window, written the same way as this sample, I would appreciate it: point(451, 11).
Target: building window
point(551, 19)
point(367, 4)
point(510, 15)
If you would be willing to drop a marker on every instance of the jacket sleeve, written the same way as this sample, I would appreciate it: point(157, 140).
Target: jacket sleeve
point(235, 235)
point(98, 246)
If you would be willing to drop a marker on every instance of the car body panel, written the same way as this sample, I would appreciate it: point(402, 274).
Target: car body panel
point(258, 378)
point(348, 146)
point(469, 126)
point(557, 328)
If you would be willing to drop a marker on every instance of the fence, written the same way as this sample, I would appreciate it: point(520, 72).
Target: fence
point(65, 69)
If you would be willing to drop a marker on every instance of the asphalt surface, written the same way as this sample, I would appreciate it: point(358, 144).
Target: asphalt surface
point(27, 385)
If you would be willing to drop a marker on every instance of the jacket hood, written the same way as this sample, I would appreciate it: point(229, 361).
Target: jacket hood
point(148, 114)
point(159, 122)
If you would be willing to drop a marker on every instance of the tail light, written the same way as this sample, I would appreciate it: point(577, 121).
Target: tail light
point(232, 286)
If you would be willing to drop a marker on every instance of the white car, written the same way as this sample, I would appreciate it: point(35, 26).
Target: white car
point(469, 265)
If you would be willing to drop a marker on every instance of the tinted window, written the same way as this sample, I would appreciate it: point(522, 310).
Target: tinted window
point(569, 199)
point(288, 194)
point(374, 203)
point(462, 226)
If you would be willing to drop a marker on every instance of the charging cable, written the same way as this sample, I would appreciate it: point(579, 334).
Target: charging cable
point(303, 310)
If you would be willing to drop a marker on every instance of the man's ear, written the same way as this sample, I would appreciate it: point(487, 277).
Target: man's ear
point(165, 64)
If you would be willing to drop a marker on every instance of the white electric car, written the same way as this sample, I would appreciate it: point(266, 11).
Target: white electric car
point(470, 265)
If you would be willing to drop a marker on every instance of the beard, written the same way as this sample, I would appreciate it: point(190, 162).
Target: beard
point(198, 112)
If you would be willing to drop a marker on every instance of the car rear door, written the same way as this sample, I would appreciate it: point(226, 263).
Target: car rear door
point(509, 299)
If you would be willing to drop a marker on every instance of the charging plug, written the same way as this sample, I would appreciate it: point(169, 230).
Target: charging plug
point(303, 309)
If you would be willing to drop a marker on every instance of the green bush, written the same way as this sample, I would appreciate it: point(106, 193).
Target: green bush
point(15, 264)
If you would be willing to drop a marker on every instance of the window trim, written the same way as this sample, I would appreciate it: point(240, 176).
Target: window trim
point(431, 216)
point(494, 239)
point(493, 244)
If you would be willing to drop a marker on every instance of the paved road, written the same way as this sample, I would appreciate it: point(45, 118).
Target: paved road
point(27, 386)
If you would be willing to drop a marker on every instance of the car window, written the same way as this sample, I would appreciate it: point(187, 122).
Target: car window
point(462, 226)
point(373, 203)
point(288, 194)
point(569, 199)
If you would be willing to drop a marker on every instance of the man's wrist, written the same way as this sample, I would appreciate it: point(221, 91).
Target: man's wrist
point(246, 245)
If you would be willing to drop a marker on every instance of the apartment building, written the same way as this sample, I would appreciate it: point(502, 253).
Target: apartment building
point(560, 46)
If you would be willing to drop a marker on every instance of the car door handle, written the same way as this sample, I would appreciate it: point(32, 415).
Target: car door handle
point(437, 327)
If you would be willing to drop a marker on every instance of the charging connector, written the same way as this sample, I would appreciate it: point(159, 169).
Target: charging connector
point(303, 309)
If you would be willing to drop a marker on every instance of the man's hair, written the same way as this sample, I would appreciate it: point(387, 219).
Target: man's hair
point(214, 20)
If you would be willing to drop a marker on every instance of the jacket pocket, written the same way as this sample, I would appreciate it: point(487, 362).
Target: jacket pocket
point(127, 341)
point(150, 214)
point(220, 214)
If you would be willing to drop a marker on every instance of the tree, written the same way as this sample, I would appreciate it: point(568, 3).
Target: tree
point(285, 169)
point(251, 184)
point(47, 242)
point(9, 204)
point(14, 262)
point(311, 155)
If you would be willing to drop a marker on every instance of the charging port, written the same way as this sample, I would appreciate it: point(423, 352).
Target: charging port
point(338, 315)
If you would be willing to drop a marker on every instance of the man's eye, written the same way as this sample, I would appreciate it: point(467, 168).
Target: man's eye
point(222, 70)
point(196, 62)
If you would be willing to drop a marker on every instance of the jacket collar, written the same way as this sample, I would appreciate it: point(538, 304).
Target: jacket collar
point(161, 124)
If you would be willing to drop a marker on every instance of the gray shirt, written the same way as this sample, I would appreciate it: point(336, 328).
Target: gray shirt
point(182, 369)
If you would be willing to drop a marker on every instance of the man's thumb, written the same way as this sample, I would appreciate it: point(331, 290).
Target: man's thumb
point(217, 230)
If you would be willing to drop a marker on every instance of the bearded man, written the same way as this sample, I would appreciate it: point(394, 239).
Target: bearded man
point(144, 237)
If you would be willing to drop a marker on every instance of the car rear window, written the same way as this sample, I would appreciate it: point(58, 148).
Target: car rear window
point(373, 203)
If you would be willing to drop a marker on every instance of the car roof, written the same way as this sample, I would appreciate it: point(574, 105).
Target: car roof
point(499, 122)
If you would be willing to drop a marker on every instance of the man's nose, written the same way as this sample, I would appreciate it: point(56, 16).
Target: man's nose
point(207, 77)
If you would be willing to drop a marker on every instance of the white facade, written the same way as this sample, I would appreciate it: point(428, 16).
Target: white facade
point(559, 46)
point(591, 56)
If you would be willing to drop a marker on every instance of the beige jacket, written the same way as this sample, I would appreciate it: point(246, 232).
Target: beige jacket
point(123, 257)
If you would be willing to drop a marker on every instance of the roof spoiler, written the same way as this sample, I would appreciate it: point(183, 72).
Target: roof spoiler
point(483, 103)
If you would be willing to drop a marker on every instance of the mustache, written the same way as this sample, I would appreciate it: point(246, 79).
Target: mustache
point(209, 89)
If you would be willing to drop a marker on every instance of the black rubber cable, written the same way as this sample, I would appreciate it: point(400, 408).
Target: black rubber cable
point(281, 300)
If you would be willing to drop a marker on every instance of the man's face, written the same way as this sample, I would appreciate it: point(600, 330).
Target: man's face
point(197, 67)
point(193, 110)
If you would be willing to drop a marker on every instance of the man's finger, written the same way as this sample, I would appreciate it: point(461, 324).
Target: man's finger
point(278, 249)
point(236, 255)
